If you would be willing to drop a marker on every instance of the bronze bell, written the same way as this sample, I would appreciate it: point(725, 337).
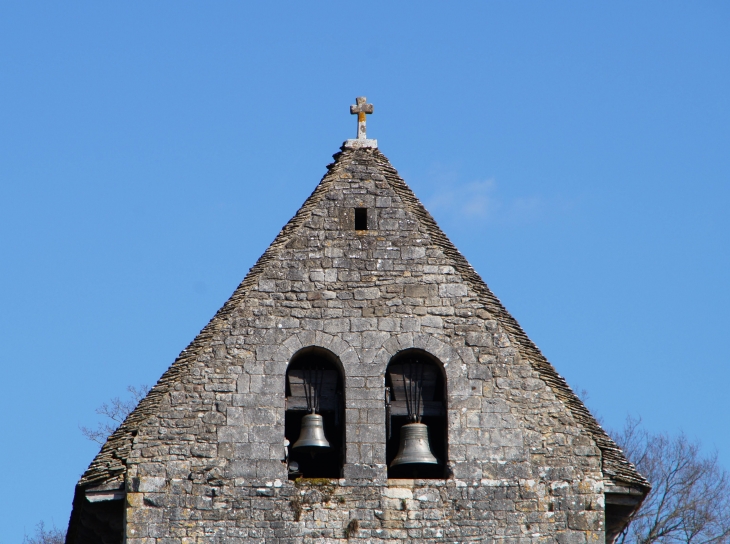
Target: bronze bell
point(414, 446)
point(312, 433)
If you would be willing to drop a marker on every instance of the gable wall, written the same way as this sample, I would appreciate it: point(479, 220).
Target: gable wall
point(211, 462)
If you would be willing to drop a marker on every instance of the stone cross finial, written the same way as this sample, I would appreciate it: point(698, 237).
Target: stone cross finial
point(361, 109)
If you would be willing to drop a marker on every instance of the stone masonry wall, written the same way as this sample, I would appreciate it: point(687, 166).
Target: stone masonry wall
point(208, 467)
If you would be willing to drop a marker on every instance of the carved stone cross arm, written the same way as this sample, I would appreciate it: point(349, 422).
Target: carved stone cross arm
point(361, 109)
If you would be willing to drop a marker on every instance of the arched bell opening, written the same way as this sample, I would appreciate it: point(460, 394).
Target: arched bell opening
point(415, 412)
point(315, 415)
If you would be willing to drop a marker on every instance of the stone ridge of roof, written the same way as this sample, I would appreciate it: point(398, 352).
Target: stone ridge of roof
point(109, 465)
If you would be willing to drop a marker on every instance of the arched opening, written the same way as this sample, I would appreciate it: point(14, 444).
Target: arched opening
point(416, 393)
point(314, 387)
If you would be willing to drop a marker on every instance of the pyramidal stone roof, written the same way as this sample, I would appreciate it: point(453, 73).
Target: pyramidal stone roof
point(108, 468)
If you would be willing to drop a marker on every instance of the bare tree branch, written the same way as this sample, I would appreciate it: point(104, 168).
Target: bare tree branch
point(690, 499)
point(116, 411)
point(53, 535)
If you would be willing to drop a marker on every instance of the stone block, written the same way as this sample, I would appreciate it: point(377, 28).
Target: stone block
point(432, 321)
point(266, 434)
point(151, 484)
point(367, 473)
point(234, 416)
point(360, 324)
point(248, 399)
point(203, 450)
point(585, 521)
point(259, 416)
point(506, 437)
point(451, 290)
point(242, 383)
point(570, 537)
point(466, 471)
point(267, 286)
point(413, 252)
point(241, 469)
point(480, 339)
point(333, 326)
point(374, 339)
point(369, 293)
point(410, 324)
point(388, 324)
point(214, 418)
point(232, 434)
point(270, 469)
point(419, 291)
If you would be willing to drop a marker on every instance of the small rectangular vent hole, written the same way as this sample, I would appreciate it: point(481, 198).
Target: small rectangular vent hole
point(361, 219)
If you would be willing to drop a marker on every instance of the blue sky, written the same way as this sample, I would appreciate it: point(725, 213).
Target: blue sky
point(576, 153)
